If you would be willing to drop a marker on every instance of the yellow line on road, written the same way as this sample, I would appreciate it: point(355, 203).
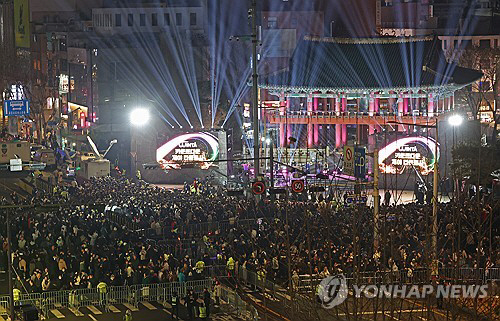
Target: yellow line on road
point(114, 309)
point(57, 314)
point(94, 310)
point(130, 307)
point(149, 306)
point(76, 312)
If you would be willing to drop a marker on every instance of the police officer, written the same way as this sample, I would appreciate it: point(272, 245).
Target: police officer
point(319, 293)
point(230, 265)
point(127, 316)
point(17, 296)
point(102, 288)
point(174, 301)
point(203, 311)
point(200, 266)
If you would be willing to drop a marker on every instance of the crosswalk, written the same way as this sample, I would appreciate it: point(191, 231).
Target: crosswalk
point(94, 311)
point(98, 313)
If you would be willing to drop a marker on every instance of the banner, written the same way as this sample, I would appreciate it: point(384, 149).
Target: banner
point(22, 23)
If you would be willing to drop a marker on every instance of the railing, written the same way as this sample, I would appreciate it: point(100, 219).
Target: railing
point(407, 276)
point(204, 228)
point(350, 114)
point(236, 304)
point(76, 299)
point(292, 301)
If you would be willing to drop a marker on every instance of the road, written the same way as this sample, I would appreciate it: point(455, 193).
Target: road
point(303, 307)
point(150, 311)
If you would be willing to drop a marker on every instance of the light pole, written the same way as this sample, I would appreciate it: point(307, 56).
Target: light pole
point(455, 121)
point(434, 264)
point(255, 91)
point(138, 117)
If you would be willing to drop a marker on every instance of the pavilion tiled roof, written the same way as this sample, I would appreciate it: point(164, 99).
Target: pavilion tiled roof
point(362, 64)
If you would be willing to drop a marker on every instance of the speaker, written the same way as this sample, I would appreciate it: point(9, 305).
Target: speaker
point(30, 313)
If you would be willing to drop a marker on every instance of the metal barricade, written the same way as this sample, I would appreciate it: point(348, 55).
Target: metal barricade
point(121, 295)
point(237, 305)
point(86, 297)
point(4, 305)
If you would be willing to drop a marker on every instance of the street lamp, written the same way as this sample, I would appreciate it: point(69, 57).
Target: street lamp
point(139, 116)
point(455, 120)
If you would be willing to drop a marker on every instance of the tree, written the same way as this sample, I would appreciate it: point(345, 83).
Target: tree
point(487, 89)
point(473, 160)
point(38, 95)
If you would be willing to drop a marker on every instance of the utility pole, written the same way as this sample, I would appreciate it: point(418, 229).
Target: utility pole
point(376, 202)
point(9, 263)
point(435, 207)
point(271, 159)
point(255, 97)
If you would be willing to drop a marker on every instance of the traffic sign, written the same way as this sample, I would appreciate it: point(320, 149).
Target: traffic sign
point(360, 162)
point(298, 186)
point(258, 188)
point(16, 107)
point(348, 160)
point(16, 165)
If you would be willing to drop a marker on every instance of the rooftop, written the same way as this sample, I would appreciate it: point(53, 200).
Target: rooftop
point(332, 64)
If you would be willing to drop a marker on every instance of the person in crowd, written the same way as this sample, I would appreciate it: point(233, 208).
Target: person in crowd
point(108, 231)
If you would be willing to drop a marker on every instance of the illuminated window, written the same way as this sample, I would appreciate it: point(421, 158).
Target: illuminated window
point(272, 22)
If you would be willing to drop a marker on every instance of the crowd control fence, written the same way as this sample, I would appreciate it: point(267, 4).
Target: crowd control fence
point(301, 297)
point(237, 305)
point(128, 295)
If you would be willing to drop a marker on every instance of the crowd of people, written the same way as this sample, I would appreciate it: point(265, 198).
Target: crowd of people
point(81, 243)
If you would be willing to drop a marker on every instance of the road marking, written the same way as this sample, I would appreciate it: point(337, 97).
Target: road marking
point(388, 315)
point(420, 305)
point(57, 314)
point(380, 312)
point(149, 306)
point(255, 299)
point(130, 307)
point(113, 309)
point(423, 319)
point(167, 305)
point(76, 312)
point(167, 311)
point(92, 317)
point(94, 310)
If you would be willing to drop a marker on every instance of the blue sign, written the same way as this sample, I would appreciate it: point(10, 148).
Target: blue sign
point(16, 107)
point(357, 199)
point(359, 162)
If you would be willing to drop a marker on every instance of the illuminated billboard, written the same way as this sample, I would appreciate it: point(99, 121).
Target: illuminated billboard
point(22, 23)
point(199, 149)
point(406, 153)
